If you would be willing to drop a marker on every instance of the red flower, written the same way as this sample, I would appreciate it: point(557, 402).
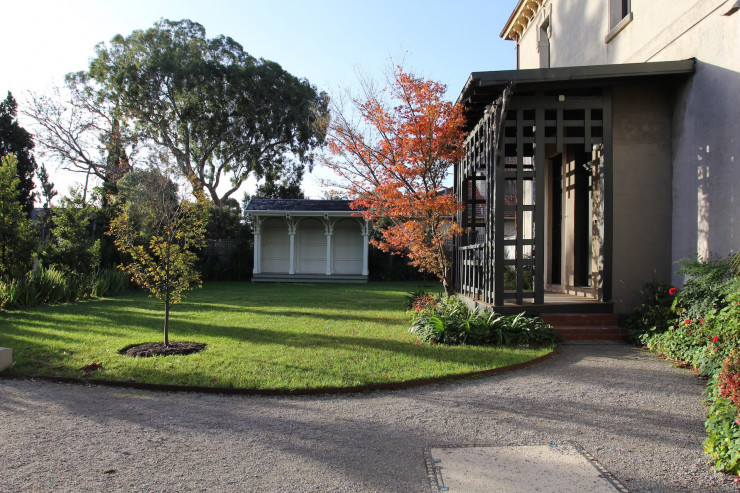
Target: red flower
point(687, 321)
point(715, 339)
point(702, 320)
point(672, 291)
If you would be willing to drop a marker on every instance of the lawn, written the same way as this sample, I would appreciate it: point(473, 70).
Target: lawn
point(258, 336)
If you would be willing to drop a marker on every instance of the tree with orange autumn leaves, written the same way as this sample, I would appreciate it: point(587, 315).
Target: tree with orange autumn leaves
point(393, 161)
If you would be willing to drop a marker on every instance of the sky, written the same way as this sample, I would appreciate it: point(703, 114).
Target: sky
point(324, 41)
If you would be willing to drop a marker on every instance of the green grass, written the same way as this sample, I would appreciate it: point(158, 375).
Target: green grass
point(258, 336)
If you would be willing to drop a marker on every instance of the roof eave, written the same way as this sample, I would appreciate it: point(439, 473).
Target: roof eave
point(283, 213)
point(518, 16)
point(584, 72)
point(598, 73)
point(482, 88)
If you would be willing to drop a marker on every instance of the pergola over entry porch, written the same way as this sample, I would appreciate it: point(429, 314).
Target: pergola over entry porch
point(566, 183)
point(299, 240)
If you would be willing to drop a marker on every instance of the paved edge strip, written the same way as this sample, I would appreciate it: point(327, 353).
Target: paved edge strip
point(434, 485)
point(602, 470)
point(283, 392)
point(431, 470)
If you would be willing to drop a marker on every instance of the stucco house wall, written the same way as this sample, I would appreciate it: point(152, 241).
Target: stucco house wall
point(705, 126)
point(642, 190)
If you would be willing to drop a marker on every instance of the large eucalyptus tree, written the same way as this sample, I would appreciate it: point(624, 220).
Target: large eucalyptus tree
point(222, 113)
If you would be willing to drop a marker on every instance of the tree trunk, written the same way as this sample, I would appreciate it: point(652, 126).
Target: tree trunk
point(167, 322)
point(167, 295)
point(221, 227)
point(448, 283)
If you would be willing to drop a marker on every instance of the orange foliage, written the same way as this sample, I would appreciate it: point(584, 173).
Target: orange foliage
point(394, 164)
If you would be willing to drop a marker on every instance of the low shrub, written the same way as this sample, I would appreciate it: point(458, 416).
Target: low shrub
point(107, 282)
point(703, 343)
point(706, 289)
point(723, 436)
point(50, 286)
point(450, 321)
point(42, 286)
point(728, 379)
point(723, 430)
point(420, 299)
point(648, 321)
point(8, 293)
point(654, 314)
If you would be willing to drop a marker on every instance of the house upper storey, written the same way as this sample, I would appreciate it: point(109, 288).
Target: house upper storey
point(561, 33)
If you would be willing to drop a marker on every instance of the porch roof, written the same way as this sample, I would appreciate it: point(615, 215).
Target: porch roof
point(482, 88)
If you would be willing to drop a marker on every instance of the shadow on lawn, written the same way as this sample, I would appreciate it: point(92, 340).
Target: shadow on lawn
point(20, 337)
point(134, 319)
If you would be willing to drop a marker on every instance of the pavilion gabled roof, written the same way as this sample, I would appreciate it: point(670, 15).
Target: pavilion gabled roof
point(299, 205)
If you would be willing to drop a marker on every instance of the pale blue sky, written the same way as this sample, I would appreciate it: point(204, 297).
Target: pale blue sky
point(321, 40)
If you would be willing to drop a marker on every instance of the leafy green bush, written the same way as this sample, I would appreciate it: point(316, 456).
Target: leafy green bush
point(420, 299)
point(9, 293)
point(42, 286)
point(648, 321)
point(49, 286)
point(728, 379)
point(723, 436)
point(450, 321)
point(703, 343)
point(654, 314)
point(723, 430)
point(110, 282)
point(46, 286)
point(518, 329)
point(709, 282)
point(71, 248)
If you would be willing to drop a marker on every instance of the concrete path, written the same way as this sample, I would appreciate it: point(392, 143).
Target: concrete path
point(638, 416)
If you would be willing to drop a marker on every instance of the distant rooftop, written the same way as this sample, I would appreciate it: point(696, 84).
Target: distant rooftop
point(296, 205)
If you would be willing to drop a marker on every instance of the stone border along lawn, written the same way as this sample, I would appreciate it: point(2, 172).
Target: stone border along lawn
point(261, 338)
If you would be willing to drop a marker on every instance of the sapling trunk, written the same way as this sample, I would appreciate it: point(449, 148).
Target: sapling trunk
point(167, 323)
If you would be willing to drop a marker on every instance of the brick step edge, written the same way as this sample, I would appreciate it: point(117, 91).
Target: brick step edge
point(581, 333)
point(578, 319)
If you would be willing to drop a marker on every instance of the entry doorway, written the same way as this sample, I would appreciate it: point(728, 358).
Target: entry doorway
point(570, 217)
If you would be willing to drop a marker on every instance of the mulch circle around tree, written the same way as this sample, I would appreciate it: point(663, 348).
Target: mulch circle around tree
point(159, 349)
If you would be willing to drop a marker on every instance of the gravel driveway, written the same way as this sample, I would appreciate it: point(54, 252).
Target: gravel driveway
point(637, 415)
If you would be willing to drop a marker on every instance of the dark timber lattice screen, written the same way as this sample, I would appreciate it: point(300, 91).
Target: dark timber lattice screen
point(501, 182)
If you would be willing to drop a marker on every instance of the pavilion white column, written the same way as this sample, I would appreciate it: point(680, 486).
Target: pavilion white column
point(291, 271)
point(257, 268)
point(328, 252)
point(365, 253)
point(366, 229)
point(257, 253)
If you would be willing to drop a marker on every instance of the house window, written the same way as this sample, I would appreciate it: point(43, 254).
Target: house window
point(618, 10)
point(620, 14)
point(543, 45)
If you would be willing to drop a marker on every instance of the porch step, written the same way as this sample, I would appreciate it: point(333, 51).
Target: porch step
point(578, 319)
point(586, 326)
point(581, 333)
